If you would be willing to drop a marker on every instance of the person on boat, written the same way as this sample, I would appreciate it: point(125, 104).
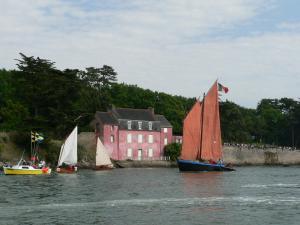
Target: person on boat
point(212, 161)
point(42, 164)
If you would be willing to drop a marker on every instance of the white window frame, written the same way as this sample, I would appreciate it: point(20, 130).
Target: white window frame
point(140, 154)
point(129, 153)
point(129, 138)
point(150, 152)
point(150, 138)
point(165, 130)
point(165, 141)
point(112, 139)
point(150, 125)
point(140, 138)
point(140, 125)
point(129, 123)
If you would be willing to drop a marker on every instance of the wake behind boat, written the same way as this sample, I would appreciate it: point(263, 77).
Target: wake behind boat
point(67, 162)
point(202, 147)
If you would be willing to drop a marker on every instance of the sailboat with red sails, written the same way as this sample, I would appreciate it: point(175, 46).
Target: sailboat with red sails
point(202, 146)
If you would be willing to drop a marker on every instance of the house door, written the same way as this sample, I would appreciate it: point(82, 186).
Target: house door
point(140, 154)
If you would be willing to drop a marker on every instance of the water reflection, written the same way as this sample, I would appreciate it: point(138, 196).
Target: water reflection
point(205, 184)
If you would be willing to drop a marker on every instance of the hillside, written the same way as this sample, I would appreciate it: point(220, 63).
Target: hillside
point(39, 97)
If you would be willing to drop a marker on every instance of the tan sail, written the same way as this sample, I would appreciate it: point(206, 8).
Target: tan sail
point(102, 157)
point(192, 133)
point(211, 147)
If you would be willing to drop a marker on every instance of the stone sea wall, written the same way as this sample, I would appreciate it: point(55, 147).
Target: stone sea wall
point(244, 156)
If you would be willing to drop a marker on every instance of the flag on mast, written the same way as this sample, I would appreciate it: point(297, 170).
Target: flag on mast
point(222, 88)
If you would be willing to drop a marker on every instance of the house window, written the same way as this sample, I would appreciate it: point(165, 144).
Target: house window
point(140, 125)
point(150, 125)
point(166, 141)
point(129, 152)
point(129, 138)
point(111, 128)
point(112, 138)
point(150, 152)
point(140, 138)
point(129, 125)
point(165, 130)
point(140, 154)
point(150, 138)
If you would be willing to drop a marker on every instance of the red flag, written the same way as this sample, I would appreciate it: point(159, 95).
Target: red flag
point(222, 88)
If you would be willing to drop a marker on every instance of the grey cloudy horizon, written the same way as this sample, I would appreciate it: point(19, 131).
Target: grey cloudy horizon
point(176, 47)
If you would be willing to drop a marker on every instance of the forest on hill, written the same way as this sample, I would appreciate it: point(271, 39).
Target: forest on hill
point(39, 97)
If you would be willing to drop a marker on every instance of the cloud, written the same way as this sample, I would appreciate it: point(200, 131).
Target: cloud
point(294, 26)
point(179, 47)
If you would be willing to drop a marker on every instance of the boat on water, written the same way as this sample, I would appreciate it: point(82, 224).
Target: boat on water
point(22, 169)
point(32, 167)
point(103, 161)
point(67, 161)
point(202, 146)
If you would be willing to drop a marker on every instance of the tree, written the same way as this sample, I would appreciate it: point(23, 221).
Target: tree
point(12, 112)
point(98, 82)
point(173, 150)
point(47, 93)
point(233, 123)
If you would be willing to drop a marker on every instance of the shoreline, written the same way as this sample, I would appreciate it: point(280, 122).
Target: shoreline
point(236, 156)
point(167, 164)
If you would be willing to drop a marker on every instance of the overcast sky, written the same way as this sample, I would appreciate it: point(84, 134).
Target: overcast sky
point(176, 46)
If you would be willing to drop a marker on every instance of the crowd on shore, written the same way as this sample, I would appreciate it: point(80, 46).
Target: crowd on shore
point(261, 146)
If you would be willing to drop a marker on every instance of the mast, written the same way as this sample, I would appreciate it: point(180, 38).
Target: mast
point(201, 136)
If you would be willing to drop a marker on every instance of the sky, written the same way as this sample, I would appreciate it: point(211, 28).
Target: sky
point(177, 47)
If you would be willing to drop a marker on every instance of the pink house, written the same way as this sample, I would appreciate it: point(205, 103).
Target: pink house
point(136, 134)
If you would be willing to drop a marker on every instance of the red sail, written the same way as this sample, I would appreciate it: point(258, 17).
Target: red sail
point(211, 148)
point(192, 133)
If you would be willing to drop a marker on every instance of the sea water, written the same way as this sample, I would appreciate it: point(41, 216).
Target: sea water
point(250, 195)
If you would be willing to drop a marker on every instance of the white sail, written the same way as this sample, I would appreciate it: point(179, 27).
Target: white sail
point(102, 157)
point(68, 151)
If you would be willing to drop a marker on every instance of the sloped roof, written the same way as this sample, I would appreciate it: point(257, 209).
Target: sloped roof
point(119, 116)
point(134, 114)
point(163, 121)
point(106, 117)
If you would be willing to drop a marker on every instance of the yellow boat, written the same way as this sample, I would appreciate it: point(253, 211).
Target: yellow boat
point(25, 170)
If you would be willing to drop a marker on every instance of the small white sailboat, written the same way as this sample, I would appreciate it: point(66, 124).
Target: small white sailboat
point(103, 161)
point(67, 162)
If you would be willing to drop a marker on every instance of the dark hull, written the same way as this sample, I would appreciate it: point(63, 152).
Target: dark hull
point(66, 170)
point(108, 167)
point(193, 166)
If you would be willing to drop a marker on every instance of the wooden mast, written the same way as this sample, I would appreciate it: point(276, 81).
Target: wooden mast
point(201, 136)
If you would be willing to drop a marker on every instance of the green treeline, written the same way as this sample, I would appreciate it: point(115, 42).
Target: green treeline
point(38, 96)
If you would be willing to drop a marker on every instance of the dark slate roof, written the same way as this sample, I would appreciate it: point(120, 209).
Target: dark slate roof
point(120, 116)
point(134, 114)
point(106, 117)
point(123, 123)
point(163, 121)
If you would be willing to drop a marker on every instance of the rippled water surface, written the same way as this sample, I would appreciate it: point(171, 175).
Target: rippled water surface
point(251, 195)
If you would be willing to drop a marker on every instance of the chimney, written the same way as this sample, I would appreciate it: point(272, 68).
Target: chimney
point(151, 109)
